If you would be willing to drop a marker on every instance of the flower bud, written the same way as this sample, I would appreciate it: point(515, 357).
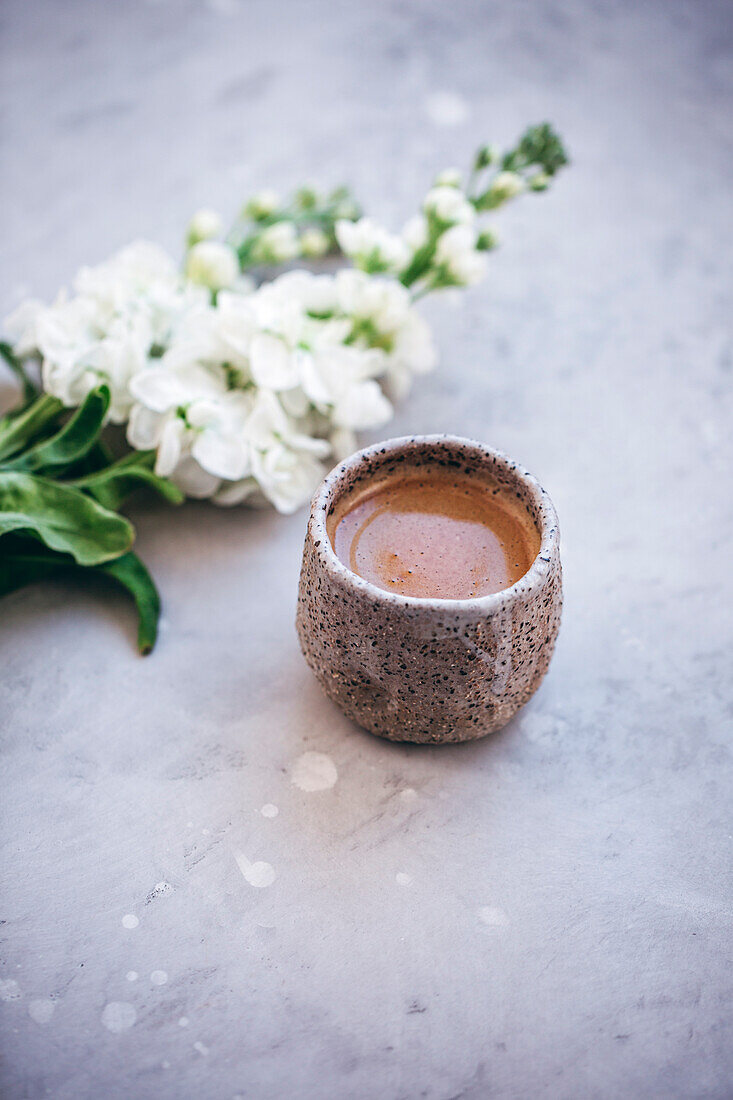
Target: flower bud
point(459, 262)
point(450, 177)
point(539, 182)
point(485, 156)
point(415, 232)
point(262, 205)
point(306, 198)
point(449, 206)
point(278, 243)
point(371, 247)
point(486, 240)
point(313, 243)
point(504, 186)
point(347, 210)
point(344, 204)
point(204, 225)
point(212, 264)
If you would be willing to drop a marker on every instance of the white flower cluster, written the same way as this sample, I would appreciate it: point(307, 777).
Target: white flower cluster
point(241, 398)
point(371, 247)
point(447, 228)
point(255, 391)
point(459, 257)
point(122, 314)
point(244, 393)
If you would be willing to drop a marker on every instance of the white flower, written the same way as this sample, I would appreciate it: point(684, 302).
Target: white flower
point(21, 327)
point(370, 246)
point(230, 493)
point(413, 352)
point(278, 309)
point(134, 265)
point(383, 301)
point(81, 349)
point(140, 284)
point(313, 243)
point(272, 362)
point(287, 478)
point(212, 264)
point(217, 433)
point(139, 281)
point(249, 388)
point(114, 360)
point(262, 205)
point(449, 177)
point(123, 313)
point(449, 205)
point(193, 412)
point(221, 446)
point(505, 186)
point(204, 225)
point(188, 412)
point(218, 334)
point(456, 250)
point(285, 464)
point(340, 380)
point(304, 352)
point(193, 480)
point(278, 243)
point(300, 290)
point(385, 317)
point(415, 232)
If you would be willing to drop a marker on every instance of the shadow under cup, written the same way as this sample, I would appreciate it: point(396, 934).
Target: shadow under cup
point(428, 670)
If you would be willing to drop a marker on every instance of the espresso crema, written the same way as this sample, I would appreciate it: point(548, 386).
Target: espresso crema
point(435, 534)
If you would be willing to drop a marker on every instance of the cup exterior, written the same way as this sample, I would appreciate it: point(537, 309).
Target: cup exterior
point(424, 670)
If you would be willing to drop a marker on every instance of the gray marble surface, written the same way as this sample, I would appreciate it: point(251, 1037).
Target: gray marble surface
point(544, 914)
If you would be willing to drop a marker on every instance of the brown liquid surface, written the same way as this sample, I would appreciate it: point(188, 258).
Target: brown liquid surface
point(433, 534)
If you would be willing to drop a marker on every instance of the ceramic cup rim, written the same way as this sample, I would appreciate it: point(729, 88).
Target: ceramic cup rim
point(335, 483)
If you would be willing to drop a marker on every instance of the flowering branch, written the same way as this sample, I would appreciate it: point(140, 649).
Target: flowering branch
point(267, 233)
point(304, 228)
point(227, 391)
point(451, 248)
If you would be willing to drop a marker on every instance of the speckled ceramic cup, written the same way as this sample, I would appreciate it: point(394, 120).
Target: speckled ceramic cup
point(428, 670)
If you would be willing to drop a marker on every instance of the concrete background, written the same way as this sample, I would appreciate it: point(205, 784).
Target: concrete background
point(561, 926)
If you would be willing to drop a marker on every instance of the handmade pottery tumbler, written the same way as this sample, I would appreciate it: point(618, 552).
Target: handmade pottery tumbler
point(428, 670)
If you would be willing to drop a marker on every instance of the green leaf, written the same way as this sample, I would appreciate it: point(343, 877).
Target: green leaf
point(62, 517)
point(114, 485)
point(97, 458)
point(30, 389)
point(18, 430)
point(72, 442)
point(130, 572)
point(23, 561)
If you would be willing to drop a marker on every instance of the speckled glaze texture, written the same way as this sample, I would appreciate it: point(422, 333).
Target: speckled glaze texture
point(428, 670)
